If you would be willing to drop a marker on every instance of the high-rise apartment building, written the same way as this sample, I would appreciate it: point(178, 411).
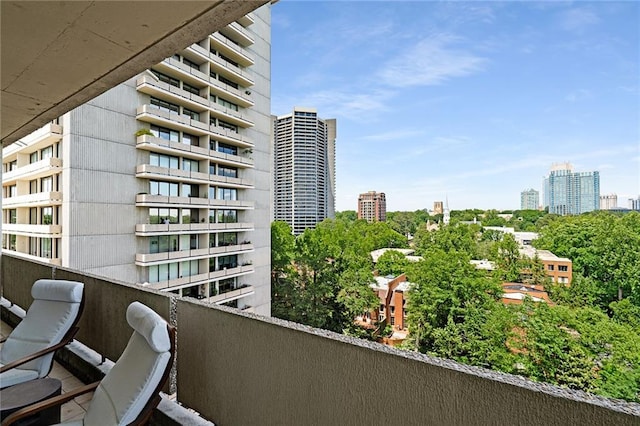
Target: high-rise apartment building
point(372, 206)
point(568, 192)
point(634, 204)
point(163, 180)
point(529, 199)
point(304, 168)
point(608, 202)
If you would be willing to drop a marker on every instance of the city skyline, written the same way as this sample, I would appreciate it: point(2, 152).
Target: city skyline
point(467, 101)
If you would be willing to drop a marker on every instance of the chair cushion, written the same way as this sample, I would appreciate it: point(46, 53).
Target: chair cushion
point(128, 386)
point(150, 325)
point(45, 324)
point(16, 376)
point(59, 290)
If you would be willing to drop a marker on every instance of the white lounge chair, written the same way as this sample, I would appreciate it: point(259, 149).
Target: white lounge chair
point(50, 323)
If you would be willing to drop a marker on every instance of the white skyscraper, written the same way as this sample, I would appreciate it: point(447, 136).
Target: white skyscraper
point(161, 181)
point(304, 168)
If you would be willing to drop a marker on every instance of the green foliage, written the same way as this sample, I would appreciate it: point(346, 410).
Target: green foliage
point(143, 131)
point(347, 216)
point(460, 238)
point(603, 247)
point(392, 263)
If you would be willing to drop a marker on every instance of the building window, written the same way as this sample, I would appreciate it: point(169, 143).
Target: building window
point(33, 157)
point(163, 160)
point(164, 133)
point(228, 82)
point(45, 248)
point(11, 166)
point(166, 79)
point(550, 267)
point(46, 152)
point(46, 184)
point(47, 215)
point(227, 149)
point(167, 271)
point(232, 62)
point(227, 262)
point(189, 88)
point(33, 246)
point(225, 103)
point(189, 268)
point(13, 216)
point(164, 105)
point(227, 194)
point(191, 64)
point(188, 139)
point(167, 189)
point(33, 186)
point(227, 239)
point(228, 171)
point(227, 216)
point(163, 215)
point(33, 216)
point(226, 285)
point(190, 165)
point(563, 268)
point(191, 114)
point(227, 126)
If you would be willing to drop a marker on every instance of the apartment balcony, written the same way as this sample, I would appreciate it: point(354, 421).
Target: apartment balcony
point(147, 171)
point(201, 253)
point(246, 20)
point(147, 200)
point(31, 230)
point(41, 138)
point(238, 368)
point(33, 200)
point(189, 75)
point(151, 86)
point(198, 279)
point(151, 114)
point(42, 168)
point(239, 75)
point(56, 261)
point(231, 295)
point(240, 119)
point(148, 229)
point(231, 50)
point(237, 33)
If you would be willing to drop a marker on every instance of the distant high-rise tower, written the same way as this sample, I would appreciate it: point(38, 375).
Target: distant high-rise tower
point(634, 204)
point(608, 202)
point(438, 207)
point(304, 168)
point(529, 199)
point(566, 192)
point(372, 206)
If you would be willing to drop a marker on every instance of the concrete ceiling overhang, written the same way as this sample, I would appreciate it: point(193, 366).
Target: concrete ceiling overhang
point(58, 55)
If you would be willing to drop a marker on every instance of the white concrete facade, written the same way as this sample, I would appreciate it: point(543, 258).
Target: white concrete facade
point(187, 143)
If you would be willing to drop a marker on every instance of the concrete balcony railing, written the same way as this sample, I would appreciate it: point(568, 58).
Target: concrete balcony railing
point(238, 368)
point(231, 50)
point(237, 33)
point(25, 229)
point(147, 200)
point(154, 258)
point(42, 168)
point(34, 200)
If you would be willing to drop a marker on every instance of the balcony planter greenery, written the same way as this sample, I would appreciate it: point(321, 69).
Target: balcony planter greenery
point(142, 132)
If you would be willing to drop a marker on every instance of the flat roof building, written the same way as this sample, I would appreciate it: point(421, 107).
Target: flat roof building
point(372, 206)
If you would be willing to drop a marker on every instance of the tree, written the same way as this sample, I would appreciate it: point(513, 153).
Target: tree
point(508, 259)
point(392, 262)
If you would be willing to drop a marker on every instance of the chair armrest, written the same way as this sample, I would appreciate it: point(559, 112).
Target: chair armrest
point(66, 339)
point(3, 340)
point(48, 403)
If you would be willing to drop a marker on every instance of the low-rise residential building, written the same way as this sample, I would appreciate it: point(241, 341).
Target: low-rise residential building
point(392, 292)
point(514, 293)
point(559, 269)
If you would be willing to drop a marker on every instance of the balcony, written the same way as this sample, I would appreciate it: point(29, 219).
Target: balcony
point(220, 66)
point(31, 230)
point(147, 200)
point(231, 295)
point(33, 200)
point(230, 49)
point(238, 368)
point(36, 170)
point(246, 20)
point(202, 253)
point(238, 34)
point(41, 138)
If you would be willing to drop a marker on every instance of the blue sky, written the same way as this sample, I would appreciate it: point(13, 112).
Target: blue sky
point(472, 101)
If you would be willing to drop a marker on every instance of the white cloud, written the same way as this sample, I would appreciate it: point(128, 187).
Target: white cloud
point(393, 135)
point(430, 62)
point(578, 20)
point(578, 95)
